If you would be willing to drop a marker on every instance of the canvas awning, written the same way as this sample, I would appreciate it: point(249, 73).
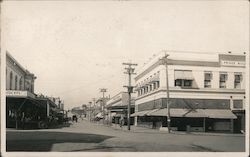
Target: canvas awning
point(179, 113)
point(195, 113)
point(141, 113)
point(221, 114)
point(183, 75)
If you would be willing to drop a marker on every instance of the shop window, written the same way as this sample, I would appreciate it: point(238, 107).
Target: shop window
point(237, 80)
point(207, 79)
point(223, 80)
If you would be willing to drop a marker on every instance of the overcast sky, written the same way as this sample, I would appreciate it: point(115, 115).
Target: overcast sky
point(76, 48)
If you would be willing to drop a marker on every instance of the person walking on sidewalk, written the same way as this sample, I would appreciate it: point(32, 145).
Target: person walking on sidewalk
point(121, 121)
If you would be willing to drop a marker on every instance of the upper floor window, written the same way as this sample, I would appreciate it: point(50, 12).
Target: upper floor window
point(16, 82)
point(223, 80)
point(11, 80)
point(20, 84)
point(237, 80)
point(183, 83)
point(183, 78)
point(207, 79)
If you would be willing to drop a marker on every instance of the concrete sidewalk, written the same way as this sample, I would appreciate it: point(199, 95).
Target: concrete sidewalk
point(149, 130)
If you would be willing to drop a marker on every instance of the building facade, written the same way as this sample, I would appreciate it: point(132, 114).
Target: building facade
point(24, 108)
point(206, 92)
point(18, 78)
point(117, 107)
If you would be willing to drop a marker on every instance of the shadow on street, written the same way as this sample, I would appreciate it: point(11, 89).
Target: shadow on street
point(44, 140)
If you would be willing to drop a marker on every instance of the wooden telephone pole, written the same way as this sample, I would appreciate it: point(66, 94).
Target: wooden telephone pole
point(165, 62)
point(129, 71)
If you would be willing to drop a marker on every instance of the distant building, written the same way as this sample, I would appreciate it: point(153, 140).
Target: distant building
point(99, 108)
point(207, 92)
point(117, 106)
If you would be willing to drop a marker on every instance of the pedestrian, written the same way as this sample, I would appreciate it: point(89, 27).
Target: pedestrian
point(121, 121)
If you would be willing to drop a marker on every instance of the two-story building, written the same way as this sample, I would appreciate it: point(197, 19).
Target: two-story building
point(206, 92)
point(117, 107)
point(23, 107)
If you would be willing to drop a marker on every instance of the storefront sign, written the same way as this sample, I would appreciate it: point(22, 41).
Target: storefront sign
point(232, 63)
point(21, 94)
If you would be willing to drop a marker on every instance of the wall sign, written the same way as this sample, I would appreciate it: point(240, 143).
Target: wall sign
point(21, 94)
point(232, 63)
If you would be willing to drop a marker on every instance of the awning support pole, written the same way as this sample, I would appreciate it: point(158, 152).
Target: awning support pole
point(16, 113)
point(204, 124)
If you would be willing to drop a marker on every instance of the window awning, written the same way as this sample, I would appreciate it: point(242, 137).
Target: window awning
point(193, 113)
point(183, 75)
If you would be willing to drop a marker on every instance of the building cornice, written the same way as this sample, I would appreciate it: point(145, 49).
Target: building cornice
point(201, 90)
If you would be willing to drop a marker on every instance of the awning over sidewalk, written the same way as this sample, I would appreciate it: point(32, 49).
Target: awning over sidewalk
point(222, 114)
point(193, 113)
point(179, 113)
point(141, 113)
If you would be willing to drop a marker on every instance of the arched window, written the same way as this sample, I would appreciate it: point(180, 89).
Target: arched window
point(11, 79)
point(20, 83)
point(15, 82)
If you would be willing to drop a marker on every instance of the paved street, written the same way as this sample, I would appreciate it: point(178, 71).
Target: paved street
point(86, 136)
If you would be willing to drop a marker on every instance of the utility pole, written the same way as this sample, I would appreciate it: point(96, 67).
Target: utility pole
point(90, 111)
point(165, 62)
point(129, 71)
point(103, 90)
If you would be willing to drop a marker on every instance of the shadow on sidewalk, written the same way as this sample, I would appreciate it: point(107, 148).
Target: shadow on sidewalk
point(43, 141)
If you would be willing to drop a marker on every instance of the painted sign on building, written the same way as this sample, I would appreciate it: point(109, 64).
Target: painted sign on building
point(21, 94)
point(232, 63)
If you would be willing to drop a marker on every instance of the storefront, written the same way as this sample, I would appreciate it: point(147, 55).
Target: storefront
point(117, 107)
point(204, 115)
point(25, 111)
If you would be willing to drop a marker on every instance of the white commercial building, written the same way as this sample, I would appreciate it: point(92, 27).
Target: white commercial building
point(206, 91)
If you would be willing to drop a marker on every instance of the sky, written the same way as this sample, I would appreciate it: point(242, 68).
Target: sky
point(76, 48)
